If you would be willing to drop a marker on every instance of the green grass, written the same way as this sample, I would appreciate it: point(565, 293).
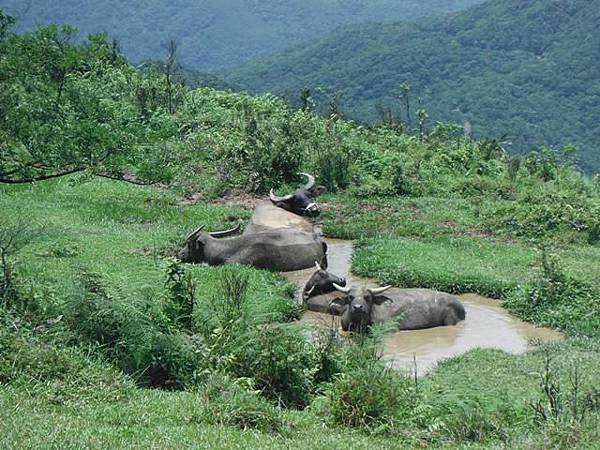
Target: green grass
point(481, 399)
point(450, 264)
point(348, 217)
point(56, 391)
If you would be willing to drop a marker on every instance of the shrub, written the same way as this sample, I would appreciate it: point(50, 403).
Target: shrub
point(179, 305)
point(116, 326)
point(279, 360)
point(368, 397)
point(557, 300)
point(333, 169)
point(177, 361)
point(225, 401)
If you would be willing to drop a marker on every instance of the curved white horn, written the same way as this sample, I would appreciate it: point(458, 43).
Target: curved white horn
point(345, 290)
point(193, 234)
point(220, 234)
point(311, 181)
point(274, 198)
point(317, 265)
point(307, 293)
point(377, 291)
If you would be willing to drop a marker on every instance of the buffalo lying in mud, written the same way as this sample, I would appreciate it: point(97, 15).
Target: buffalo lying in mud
point(267, 216)
point(302, 201)
point(287, 212)
point(411, 309)
point(280, 249)
point(320, 283)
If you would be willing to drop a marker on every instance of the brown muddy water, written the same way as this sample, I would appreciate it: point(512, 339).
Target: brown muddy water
point(487, 324)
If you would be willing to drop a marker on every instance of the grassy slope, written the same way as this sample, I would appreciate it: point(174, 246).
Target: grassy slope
point(108, 223)
point(217, 33)
point(478, 400)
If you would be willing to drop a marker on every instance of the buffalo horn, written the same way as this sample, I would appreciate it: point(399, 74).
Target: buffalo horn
point(220, 234)
point(194, 233)
point(307, 293)
point(345, 290)
point(274, 198)
point(377, 291)
point(311, 181)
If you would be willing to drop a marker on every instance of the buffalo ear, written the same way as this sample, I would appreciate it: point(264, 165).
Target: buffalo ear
point(380, 299)
point(338, 303)
point(200, 241)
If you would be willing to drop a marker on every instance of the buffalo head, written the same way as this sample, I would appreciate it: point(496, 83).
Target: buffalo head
point(321, 282)
point(357, 306)
point(302, 201)
point(193, 251)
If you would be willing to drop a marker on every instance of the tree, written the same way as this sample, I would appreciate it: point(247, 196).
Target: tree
point(64, 107)
point(171, 66)
point(404, 90)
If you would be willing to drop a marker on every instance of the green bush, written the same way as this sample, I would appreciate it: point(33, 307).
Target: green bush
point(230, 402)
point(370, 396)
point(177, 361)
point(557, 300)
point(280, 361)
point(181, 298)
point(120, 330)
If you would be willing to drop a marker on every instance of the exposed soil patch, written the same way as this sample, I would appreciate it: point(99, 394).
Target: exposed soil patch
point(236, 198)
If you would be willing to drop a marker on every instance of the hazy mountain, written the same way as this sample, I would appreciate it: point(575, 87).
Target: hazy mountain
point(530, 70)
point(216, 33)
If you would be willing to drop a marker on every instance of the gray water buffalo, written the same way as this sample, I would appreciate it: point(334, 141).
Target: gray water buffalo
point(302, 201)
point(411, 309)
point(281, 250)
point(267, 216)
point(320, 283)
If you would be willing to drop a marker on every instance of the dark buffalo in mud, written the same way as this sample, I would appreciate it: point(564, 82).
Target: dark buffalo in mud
point(302, 201)
point(411, 309)
point(320, 283)
point(281, 250)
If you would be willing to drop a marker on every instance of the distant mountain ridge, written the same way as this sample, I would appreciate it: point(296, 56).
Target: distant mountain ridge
point(530, 70)
point(216, 33)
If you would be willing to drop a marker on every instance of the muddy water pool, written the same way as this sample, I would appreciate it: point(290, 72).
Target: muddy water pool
point(487, 324)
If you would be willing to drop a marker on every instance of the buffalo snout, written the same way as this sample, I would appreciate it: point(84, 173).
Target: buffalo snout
point(312, 210)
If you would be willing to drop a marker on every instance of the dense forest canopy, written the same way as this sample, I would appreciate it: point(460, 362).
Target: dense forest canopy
point(527, 70)
point(216, 33)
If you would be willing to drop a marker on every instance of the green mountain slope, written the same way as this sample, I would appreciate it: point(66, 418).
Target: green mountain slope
point(526, 69)
point(217, 33)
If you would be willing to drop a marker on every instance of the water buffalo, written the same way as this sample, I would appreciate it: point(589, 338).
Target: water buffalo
point(319, 284)
point(302, 201)
point(267, 216)
point(412, 309)
point(281, 250)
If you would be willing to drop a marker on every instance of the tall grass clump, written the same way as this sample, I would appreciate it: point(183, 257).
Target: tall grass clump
point(555, 299)
point(234, 402)
point(239, 342)
point(181, 296)
point(366, 394)
point(114, 325)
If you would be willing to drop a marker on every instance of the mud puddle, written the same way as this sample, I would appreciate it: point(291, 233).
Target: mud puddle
point(487, 325)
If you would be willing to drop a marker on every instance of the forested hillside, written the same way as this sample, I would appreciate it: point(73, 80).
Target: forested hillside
point(216, 33)
point(527, 70)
